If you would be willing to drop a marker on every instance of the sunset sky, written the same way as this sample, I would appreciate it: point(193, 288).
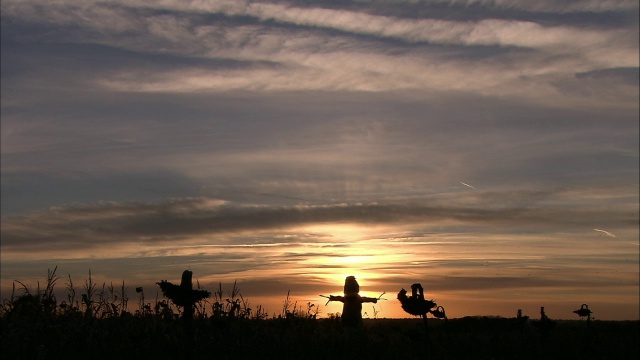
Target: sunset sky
point(488, 150)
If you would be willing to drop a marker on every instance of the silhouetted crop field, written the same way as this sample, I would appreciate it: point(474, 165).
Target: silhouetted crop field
point(75, 337)
point(35, 325)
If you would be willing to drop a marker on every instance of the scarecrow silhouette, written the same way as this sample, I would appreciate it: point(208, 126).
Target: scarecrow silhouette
point(584, 312)
point(352, 308)
point(184, 294)
point(416, 304)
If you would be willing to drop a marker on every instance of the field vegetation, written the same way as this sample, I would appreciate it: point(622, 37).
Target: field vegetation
point(94, 322)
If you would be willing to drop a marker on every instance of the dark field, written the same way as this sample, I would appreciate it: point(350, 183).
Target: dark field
point(146, 337)
point(95, 323)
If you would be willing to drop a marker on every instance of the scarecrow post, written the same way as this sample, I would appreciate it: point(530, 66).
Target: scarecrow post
point(584, 312)
point(417, 305)
point(186, 296)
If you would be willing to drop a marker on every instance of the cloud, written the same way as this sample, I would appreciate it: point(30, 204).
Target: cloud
point(605, 232)
point(109, 224)
point(358, 57)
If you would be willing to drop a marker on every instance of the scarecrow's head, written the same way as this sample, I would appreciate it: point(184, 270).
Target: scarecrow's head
point(351, 286)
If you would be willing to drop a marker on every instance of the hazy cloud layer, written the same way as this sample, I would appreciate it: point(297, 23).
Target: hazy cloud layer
point(111, 223)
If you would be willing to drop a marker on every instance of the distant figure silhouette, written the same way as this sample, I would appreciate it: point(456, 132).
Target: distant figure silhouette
point(352, 302)
point(543, 316)
point(545, 324)
point(416, 304)
point(584, 311)
point(521, 317)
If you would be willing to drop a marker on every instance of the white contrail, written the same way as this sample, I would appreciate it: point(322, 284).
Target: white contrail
point(606, 232)
point(466, 185)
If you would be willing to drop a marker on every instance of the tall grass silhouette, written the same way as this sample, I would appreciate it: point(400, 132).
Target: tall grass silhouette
point(101, 321)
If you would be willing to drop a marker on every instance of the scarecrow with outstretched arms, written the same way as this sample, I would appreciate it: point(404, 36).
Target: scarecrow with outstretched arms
point(352, 308)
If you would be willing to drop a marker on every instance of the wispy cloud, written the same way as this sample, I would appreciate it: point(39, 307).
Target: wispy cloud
point(111, 224)
point(605, 232)
point(302, 40)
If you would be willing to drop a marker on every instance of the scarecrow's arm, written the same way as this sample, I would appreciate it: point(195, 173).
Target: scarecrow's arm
point(333, 298)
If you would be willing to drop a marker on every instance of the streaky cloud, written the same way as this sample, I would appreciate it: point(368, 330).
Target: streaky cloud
point(112, 223)
point(605, 232)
